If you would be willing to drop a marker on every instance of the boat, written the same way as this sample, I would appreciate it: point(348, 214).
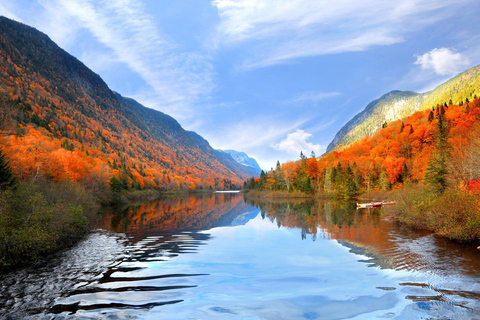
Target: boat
point(377, 204)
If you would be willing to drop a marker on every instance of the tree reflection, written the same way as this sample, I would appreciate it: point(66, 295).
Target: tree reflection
point(189, 212)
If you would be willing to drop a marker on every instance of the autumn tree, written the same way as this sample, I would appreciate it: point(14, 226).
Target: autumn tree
point(466, 153)
point(290, 171)
point(383, 181)
point(327, 184)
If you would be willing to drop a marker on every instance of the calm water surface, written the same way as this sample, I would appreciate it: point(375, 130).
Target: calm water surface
point(221, 257)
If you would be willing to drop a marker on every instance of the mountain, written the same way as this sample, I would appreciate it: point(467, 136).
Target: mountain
point(243, 159)
point(403, 152)
point(397, 105)
point(62, 121)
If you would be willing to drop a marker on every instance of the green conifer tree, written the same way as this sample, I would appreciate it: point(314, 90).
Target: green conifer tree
point(437, 169)
point(7, 179)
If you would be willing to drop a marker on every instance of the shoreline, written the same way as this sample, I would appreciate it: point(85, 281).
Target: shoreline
point(85, 217)
point(454, 215)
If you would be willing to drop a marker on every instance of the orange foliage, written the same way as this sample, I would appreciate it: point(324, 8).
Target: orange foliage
point(401, 145)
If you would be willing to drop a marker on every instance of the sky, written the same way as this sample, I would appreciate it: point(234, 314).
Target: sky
point(267, 77)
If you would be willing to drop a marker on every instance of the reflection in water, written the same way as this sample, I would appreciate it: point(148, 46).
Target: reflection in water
point(368, 232)
point(217, 256)
point(191, 212)
point(390, 246)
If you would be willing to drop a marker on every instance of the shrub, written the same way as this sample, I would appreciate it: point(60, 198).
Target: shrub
point(455, 214)
point(413, 206)
point(40, 218)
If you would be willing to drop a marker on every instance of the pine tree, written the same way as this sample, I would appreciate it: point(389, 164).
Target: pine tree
point(307, 186)
point(351, 188)
point(263, 180)
point(404, 177)
point(430, 116)
point(279, 180)
point(437, 169)
point(7, 179)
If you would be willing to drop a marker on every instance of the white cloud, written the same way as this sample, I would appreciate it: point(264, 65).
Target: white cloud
point(443, 61)
point(249, 134)
point(280, 31)
point(312, 97)
point(296, 142)
point(178, 78)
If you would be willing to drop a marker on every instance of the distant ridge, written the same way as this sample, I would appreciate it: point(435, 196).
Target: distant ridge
point(244, 159)
point(397, 105)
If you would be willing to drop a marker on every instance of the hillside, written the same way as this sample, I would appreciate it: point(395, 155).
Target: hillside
point(397, 105)
point(399, 153)
point(61, 120)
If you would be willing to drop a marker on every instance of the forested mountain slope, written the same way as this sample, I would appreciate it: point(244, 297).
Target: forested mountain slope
point(397, 105)
point(61, 120)
point(403, 152)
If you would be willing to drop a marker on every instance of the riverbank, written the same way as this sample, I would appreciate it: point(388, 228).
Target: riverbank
point(455, 214)
point(43, 217)
point(40, 218)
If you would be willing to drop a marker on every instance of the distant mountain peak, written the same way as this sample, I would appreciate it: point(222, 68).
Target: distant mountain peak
point(243, 159)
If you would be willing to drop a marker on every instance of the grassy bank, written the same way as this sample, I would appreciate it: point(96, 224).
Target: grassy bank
point(455, 214)
point(40, 218)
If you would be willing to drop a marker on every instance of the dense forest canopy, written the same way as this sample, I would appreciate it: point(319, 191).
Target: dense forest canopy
point(439, 145)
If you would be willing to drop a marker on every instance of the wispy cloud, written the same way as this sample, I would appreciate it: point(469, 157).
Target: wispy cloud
point(5, 10)
point(178, 78)
point(443, 61)
point(281, 31)
point(296, 142)
point(312, 97)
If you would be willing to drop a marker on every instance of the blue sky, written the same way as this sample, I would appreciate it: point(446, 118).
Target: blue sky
point(267, 77)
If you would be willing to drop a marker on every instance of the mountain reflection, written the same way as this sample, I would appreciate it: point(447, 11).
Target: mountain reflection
point(168, 223)
point(180, 213)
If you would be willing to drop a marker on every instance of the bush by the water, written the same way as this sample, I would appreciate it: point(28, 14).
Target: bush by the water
point(43, 217)
point(455, 214)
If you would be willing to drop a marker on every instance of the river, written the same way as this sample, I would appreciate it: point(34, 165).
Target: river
point(219, 256)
